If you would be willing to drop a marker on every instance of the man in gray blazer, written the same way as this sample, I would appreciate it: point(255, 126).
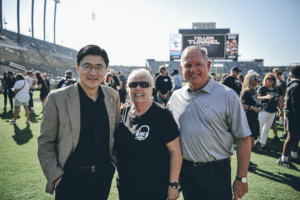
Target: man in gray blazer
point(75, 146)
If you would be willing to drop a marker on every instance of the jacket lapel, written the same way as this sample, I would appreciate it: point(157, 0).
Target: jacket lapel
point(73, 105)
point(108, 104)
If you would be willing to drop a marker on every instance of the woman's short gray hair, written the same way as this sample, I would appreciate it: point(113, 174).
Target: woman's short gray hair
point(140, 73)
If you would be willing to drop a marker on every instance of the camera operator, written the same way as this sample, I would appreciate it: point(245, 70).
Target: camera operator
point(66, 81)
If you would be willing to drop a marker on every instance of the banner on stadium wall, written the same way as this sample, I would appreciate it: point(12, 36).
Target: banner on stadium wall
point(213, 44)
point(232, 41)
point(175, 46)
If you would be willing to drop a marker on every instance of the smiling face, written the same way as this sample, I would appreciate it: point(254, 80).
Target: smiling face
point(195, 68)
point(91, 79)
point(140, 95)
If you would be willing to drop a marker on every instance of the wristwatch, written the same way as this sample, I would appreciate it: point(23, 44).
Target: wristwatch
point(174, 185)
point(242, 179)
point(250, 108)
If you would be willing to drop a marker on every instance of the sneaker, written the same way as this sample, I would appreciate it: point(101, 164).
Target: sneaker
point(251, 164)
point(275, 139)
point(280, 122)
point(27, 122)
point(283, 137)
point(12, 121)
point(253, 149)
point(265, 149)
point(4, 108)
point(12, 109)
point(251, 169)
point(31, 111)
point(284, 164)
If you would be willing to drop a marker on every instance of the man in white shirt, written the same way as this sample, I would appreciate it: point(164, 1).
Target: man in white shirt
point(32, 82)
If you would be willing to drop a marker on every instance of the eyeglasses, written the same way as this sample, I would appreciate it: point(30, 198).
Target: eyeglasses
point(97, 68)
point(291, 76)
point(271, 79)
point(256, 79)
point(163, 68)
point(143, 84)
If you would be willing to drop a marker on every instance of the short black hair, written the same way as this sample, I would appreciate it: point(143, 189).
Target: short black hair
point(10, 72)
point(92, 50)
point(296, 71)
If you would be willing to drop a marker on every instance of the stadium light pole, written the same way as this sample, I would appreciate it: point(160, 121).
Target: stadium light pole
point(1, 23)
point(45, 5)
point(56, 2)
point(18, 16)
point(32, 16)
point(93, 18)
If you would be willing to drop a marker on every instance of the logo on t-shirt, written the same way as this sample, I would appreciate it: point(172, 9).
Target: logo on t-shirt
point(142, 133)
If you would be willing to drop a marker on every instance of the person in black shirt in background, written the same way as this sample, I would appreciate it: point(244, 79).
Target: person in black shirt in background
point(4, 88)
point(11, 80)
point(154, 93)
point(46, 80)
point(147, 145)
point(109, 81)
point(292, 113)
point(42, 87)
point(250, 104)
point(268, 93)
point(232, 81)
point(163, 85)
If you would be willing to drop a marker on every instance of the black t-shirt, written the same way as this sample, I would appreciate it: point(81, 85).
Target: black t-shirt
point(272, 103)
point(251, 100)
point(282, 85)
point(140, 142)
point(163, 84)
point(44, 89)
point(233, 83)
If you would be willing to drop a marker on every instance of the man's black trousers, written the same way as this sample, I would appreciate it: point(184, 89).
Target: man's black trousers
point(211, 182)
point(85, 184)
point(11, 95)
point(30, 100)
point(122, 94)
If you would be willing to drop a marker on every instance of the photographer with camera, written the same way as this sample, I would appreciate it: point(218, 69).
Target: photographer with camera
point(251, 106)
point(66, 81)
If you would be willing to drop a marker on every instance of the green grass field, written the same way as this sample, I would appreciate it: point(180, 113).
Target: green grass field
point(21, 176)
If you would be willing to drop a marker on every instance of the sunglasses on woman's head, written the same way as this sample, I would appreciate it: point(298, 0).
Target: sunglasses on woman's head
point(143, 84)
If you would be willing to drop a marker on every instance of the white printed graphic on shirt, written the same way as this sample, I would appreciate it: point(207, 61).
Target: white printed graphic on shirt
point(142, 133)
point(166, 80)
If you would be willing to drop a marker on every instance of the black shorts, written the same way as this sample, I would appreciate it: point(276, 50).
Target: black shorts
point(254, 127)
point(292, 124)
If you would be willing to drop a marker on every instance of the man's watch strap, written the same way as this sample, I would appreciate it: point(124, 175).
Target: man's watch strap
point(242, 179)
point(174, 185)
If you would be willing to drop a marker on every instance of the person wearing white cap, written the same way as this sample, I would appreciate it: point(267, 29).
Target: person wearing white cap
point(251, 71)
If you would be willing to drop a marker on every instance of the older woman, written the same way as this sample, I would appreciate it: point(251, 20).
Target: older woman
point(147, 145)
point(251, 106)
point(268, 93)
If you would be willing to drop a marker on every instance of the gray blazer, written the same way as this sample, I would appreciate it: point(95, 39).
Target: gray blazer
point(60, 129)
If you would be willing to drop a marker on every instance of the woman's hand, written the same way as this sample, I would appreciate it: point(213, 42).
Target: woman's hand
point(173, 194)
point(257, 110)
point(268, 96)
point(125, 104)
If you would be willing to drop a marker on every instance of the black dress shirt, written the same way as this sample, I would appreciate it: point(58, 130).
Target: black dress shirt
point(93, 144)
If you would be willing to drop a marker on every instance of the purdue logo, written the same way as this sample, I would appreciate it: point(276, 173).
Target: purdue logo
point(142, 133)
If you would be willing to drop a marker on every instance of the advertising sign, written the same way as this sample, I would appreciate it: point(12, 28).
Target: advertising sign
point(175, 46)
point(212, 43)
point(232, 41)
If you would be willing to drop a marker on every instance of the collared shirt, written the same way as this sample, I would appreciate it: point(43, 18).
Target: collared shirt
point(177, 82)
point(208, 121)
point(93, 144)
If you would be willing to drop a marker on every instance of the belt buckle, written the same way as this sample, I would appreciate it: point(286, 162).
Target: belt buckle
point(93, 169)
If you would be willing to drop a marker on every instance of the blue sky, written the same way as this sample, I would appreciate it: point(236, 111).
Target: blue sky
point(132, 31)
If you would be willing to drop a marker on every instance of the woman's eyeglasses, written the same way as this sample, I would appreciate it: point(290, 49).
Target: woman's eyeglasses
point(271, 79)
point(143, 84)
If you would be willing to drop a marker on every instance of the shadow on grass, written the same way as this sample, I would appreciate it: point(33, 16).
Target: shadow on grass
point(288, 179)
point(22, 136)
point(8, 115)
point(33, 117)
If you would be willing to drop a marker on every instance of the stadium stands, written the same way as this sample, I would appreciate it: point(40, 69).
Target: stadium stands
point(35, 54)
